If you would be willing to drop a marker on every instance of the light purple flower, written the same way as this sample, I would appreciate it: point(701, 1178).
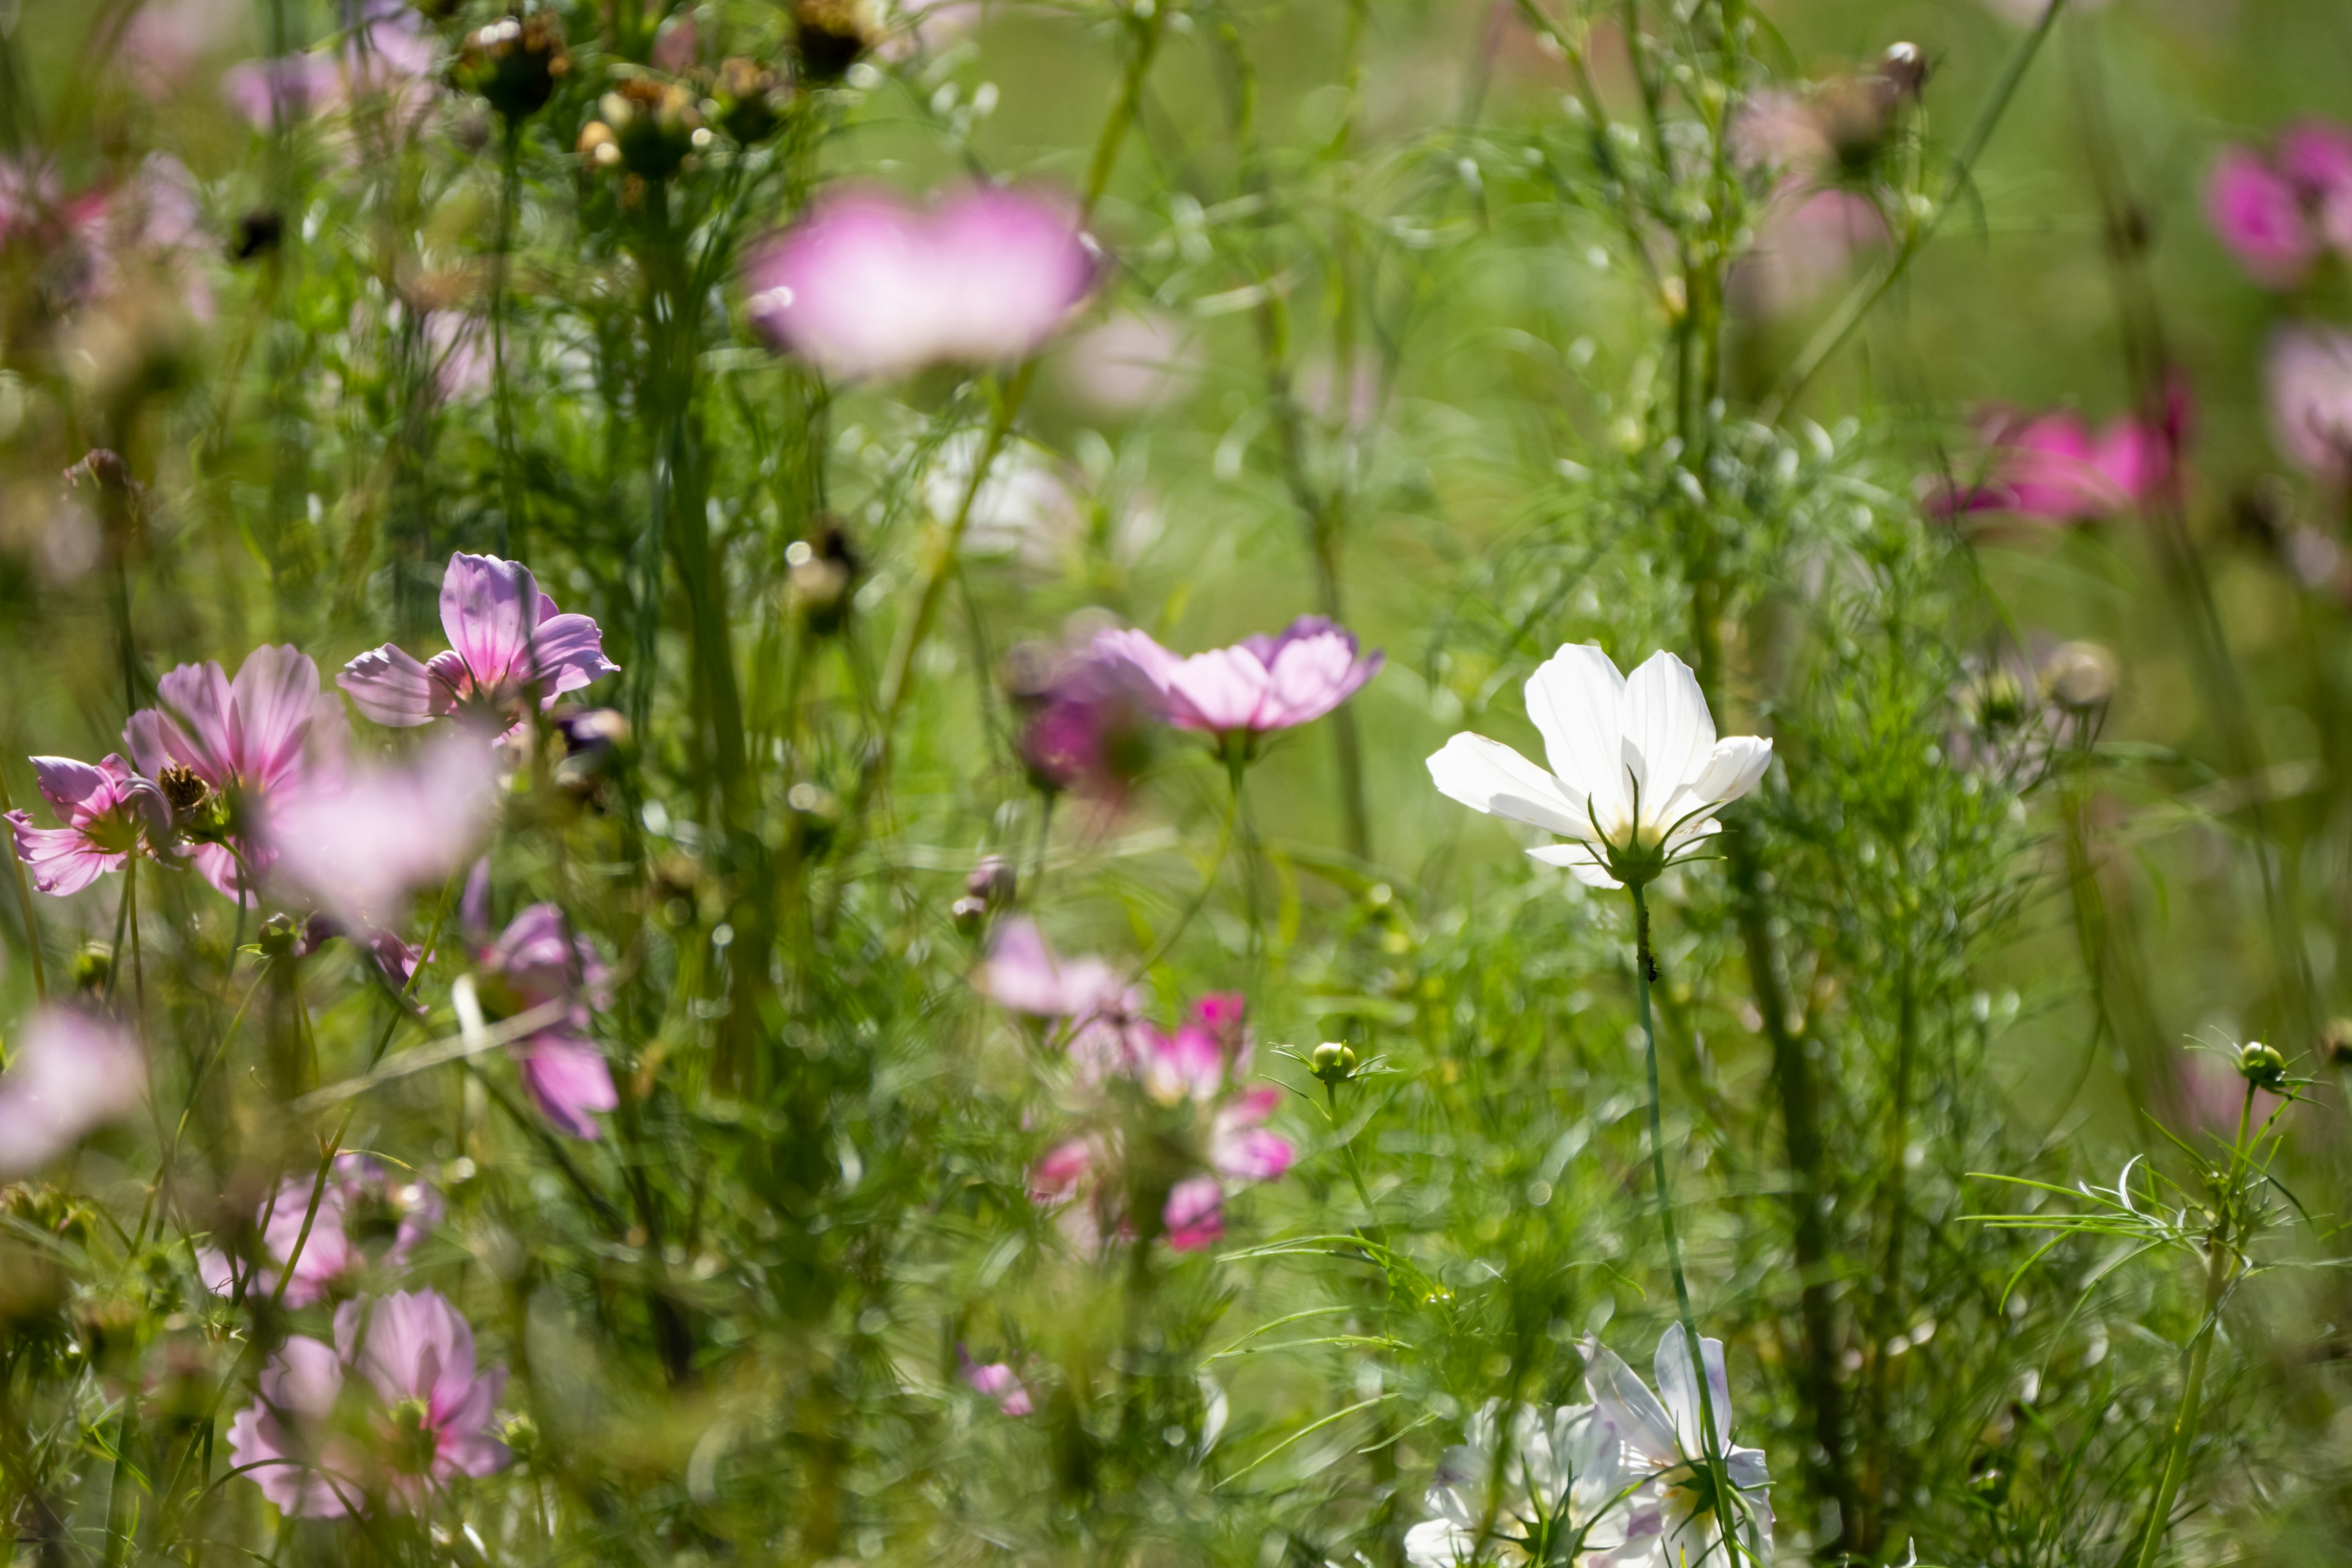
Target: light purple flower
point(537, 961)
point(2279, 212)
point(361, 844)
point(69, 1073)
point(1260, 684)
point(389, 52)
point(284, 1442)
point(110, 814)
point(869, 286)
point(2308, 370)
point(508, 643)
point(256, 741)
point(998, 1381)
point(414, 1351)
point(368, 1216)
point(271, 92)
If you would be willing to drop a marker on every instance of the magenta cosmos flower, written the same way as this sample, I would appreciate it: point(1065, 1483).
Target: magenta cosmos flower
point(2055, 469)
point(360, 845)
point(244, 746)
point(535, 962)
point(508, 643)
point(868, 286)
point(69, 1073)
point(2309, 371)
point(110, 814)
point(369, 1216)
point(2279, 212)
point(1260, 684)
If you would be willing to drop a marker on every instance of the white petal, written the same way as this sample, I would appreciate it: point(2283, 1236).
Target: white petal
point(1486, 776)
point(1580, 862)
point(1577, 699)
point(1668, 733)
point(1736, 766)
point(1622, 1401)
point(1679, 1389)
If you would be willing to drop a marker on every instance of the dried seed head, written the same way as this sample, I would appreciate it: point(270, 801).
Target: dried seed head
point(515, 62)
point(832, 34)
point(748, 101)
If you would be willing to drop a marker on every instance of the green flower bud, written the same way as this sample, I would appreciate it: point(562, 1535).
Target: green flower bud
point(1332, 1062)
point(93, 965)
point(2261, 1065)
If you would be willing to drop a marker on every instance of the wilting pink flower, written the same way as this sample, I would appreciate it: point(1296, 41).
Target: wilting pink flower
point(998, 1381)
point(414, 1351)
point(1260, 684)
point(2054, 469)
point(2277, 213)
point(361, 844)
point(69, 1073)
point(868, 286)
point(537, 961)
point(253, 744)
point(368, 1215)
point(2309, 371)
point(508, 643)
point(284, 1442)
point(110, 814)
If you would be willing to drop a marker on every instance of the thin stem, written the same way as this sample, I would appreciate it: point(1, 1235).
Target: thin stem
point(2192, 1390)
point(25, 902)
point(502, 392)
point(1208, 885)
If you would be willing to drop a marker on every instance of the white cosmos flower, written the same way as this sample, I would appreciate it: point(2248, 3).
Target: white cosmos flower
point(1672, 1519)
point(1636, 774)
point(1552, 1498)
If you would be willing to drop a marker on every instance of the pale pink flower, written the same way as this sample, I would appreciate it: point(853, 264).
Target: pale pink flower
point(361, 844)
point(69, 1073)
point(2278, 212)
point(536, 962)
point(389, 52)
point(2309, 371)
point(1806, 243)
point(284, 1442)
point(1133, 361)
point(165, 38)
point(1022, 973)
point(271, 92)
point(1260, 684)
point(998, 1381)
point(254, 743)
point(458, 347)
point(369, 1216)
point(869, 286)
point(434, 1411)
point(110, 814)
point(507, 645)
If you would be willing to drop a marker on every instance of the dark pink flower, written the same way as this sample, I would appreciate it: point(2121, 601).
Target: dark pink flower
point(1260, 684)
point(368, 1216)
point(507, 644)
point(868, 286)
point(1086, 720)
point(284, 1442)
point(537, 962)
point(433, 1410)
point(998, 1381)
point(69, 1073)
point(2277, 213)
point(110, 814)
point(361, 844)
point(253, 744)
point(2309, 371)
point(2054, 469)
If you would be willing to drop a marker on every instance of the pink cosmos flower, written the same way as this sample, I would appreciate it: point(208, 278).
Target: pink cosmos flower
point(2054, 469)
point(284, 1442)
point(868, 286)
point(2309, 371)
point(2277, 213)
point(389, 52)
point(1086, 720)
point(416, 1353)
point(361, 844)
point(1260, 684)
point(69, 1073)
point(1098, 1015)
point(508, 643)
point(271, 92)
point(536, 962)
point(109, 813)
point(1806, 243)
point(998, 1381)
point(368, 1216)
point(254, 743)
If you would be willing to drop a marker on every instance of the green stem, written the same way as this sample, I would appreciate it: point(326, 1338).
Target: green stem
point(25, 902)
point(502, 395)
point(2192, 1390)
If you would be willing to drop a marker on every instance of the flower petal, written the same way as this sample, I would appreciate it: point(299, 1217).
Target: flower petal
point(1678, 1389)
point(1577, 699)
point(391, 687)
point(1486, 776)
point(1668, 736)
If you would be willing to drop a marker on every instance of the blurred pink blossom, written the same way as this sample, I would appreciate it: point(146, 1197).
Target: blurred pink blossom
point(538, 963)
point(258, 742)
point(109, 813)
point(458, 348)
point(1085, 718)
point(284, 1442)
point(869, 286)
point(361, 1198)
point(2055, 469)
point(998, 1381)
point(1133, 361)
point(69, 1073)
point(271, 92)
point(507, 644)
point(388, 52)
point(1097, 1009)
point(1806, 243)
point(2279, 211)
point(434, 1410)
point(678, 45)
point(2308, 370)
point(1263, 683)
point(165, 38)
point(363, 843)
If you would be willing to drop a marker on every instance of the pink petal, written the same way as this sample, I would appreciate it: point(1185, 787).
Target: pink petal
point(391, 687)
point(70, 1073)
point(488, 609)
point(59, 860)
point(2256, 212)
point(1192, 1215)
point(566, 1078)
